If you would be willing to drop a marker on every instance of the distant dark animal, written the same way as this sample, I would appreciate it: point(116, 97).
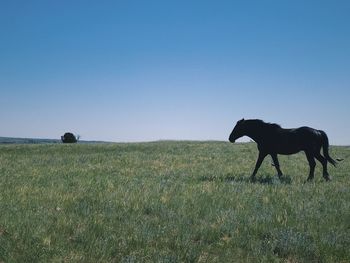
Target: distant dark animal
point(273, 140)
point(69, 137)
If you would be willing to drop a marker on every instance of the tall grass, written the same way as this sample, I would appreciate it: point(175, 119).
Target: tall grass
point(168, 202)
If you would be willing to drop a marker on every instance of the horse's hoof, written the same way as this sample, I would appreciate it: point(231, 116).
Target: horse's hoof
point(327, 178)
point(309, 180)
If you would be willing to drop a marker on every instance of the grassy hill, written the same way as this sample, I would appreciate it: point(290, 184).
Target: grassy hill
point(168, 202)
point(11, 140)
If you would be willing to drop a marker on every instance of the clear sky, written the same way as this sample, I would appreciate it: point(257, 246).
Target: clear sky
point(150, 70)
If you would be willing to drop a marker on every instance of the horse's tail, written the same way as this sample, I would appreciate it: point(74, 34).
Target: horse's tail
point(325, 145)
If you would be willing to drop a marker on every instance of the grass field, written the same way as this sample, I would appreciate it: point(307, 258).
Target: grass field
point(168, 202)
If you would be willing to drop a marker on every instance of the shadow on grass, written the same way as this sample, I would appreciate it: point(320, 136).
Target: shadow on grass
point(285, 179)
point(240, 178)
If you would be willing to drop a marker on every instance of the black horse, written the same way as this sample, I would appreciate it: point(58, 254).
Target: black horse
point(273, 140)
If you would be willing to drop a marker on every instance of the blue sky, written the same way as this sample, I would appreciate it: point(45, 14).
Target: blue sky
point(150, 70)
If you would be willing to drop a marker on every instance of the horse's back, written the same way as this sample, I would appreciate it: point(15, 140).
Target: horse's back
point(308, 137)
point(308, 132)
point(289, 141)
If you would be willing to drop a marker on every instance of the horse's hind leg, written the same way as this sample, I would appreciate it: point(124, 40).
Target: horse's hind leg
point(277, 164)
point(312, 164)
point(323, 161)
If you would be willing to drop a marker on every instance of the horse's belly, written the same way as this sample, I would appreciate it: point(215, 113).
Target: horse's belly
point(288, 149)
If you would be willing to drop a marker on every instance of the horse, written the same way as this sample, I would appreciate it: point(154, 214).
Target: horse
point(272, 140)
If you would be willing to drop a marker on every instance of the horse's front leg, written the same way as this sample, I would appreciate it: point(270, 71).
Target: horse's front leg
point(277, 164)
point(261, 157)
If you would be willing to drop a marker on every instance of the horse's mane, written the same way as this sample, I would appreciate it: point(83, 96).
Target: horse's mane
point(267, 124)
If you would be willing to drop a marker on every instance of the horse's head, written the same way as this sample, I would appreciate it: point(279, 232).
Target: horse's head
point(237, 132)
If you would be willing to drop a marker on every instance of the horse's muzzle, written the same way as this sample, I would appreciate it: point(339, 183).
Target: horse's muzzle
point(231, 140)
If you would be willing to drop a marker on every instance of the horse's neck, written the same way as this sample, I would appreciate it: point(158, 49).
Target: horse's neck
point(254, 136)
point(255, 133)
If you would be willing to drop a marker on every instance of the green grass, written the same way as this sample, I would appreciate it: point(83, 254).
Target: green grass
point(168, 202)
